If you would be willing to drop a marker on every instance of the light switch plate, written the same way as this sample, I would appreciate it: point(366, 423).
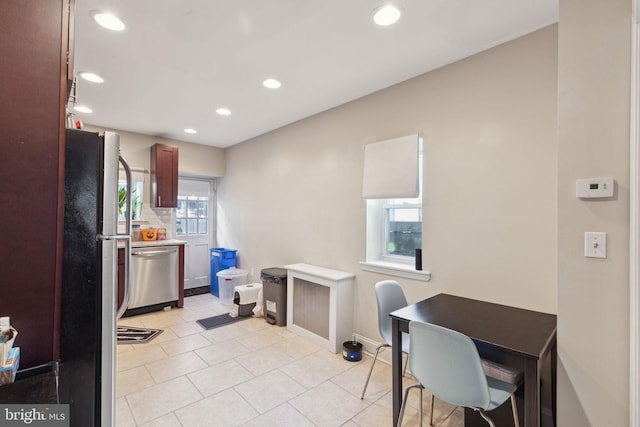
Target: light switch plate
point(595, 244)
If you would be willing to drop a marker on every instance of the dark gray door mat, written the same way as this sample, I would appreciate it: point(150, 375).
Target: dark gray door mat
point(221, 320)
point(196, 291)
point(129, 335)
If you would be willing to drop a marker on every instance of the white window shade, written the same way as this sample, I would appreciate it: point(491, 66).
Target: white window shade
point(391, 168)
point(193, 187)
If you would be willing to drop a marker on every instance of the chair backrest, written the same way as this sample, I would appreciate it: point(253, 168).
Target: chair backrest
point(447, 364)
point(390, 297)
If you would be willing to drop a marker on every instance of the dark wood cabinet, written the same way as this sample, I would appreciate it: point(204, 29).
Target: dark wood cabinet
point(164, 176)
point(34, 71)
point(69, 23)
point(121, 273)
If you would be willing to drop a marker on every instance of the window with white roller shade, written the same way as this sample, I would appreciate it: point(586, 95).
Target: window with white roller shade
point(392, 185)
point(391, 168)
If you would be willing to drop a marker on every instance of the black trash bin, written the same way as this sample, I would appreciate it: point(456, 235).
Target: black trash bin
point(274, 291)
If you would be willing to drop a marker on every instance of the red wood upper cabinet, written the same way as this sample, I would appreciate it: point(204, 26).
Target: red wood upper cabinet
point(121, 272)
point(33, 48)
point(164, 176)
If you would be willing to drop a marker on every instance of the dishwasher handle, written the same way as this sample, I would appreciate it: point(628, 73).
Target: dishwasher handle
point(150, 253)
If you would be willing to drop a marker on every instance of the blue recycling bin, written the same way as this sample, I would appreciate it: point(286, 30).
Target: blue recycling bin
point(221, 259)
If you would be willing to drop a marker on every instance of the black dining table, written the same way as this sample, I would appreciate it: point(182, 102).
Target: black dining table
point(515, 337)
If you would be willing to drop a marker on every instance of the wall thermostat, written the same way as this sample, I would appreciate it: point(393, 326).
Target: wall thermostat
point(591, 188)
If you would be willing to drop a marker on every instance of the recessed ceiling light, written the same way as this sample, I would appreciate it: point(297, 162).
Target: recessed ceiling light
point(83, 109)
point(191, 131)
point(92, 77)
point(223, 111)
point(386, 15)
point(272, 83)
point(107, 20)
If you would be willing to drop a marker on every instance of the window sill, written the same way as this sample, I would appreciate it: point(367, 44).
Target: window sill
point(393, 269)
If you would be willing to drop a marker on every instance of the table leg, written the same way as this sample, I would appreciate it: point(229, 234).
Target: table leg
point(554, 378)
point(396, 367)
point(531, 393)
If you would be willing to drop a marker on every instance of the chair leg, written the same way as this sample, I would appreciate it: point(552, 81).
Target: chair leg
point(380, 347)
point(420, 412)
point(516, 421)
point(431, 411)
point(486, 418)
point(404, 403)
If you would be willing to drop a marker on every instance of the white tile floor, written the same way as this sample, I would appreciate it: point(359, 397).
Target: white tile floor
point(249, 373)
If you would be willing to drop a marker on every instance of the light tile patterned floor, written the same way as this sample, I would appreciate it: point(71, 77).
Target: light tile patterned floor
point(249, 373)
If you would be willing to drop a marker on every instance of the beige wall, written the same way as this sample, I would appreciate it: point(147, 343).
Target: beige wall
point(193, 159)
point(593, 294)
point(490, 225)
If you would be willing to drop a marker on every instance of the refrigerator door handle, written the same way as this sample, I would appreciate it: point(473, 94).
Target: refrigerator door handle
point(102, 237)
point(127, 262)
point(127, 172)
point(127, 242)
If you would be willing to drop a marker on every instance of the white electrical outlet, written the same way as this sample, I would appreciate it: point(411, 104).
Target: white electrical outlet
point(595, 244)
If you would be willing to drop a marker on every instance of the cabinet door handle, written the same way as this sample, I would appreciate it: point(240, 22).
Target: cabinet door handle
point(159, 200)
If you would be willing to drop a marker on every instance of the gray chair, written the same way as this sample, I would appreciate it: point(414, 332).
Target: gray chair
point(390, 297)
point(447, 363)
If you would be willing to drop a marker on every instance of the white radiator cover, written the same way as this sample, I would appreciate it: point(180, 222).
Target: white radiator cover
point(320, 305)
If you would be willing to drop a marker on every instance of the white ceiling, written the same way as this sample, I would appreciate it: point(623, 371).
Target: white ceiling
point(179, 60)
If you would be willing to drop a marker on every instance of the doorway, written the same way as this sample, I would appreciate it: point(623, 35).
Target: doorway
point(195, 224)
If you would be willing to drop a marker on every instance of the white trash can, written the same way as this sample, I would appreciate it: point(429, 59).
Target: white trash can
point(227, 280)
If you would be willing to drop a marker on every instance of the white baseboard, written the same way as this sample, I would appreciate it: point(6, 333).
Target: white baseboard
point(369, 347)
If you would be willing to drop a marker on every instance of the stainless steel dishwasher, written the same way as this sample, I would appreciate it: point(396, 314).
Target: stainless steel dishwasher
point(154, 278)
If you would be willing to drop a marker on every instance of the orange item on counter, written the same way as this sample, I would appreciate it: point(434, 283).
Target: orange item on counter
point(148, 234)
